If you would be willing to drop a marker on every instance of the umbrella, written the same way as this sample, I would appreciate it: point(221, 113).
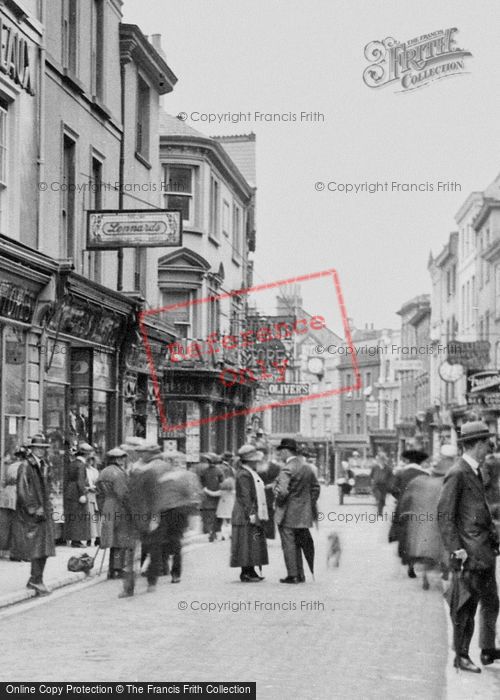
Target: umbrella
point(457, 596)
point(304, 540)
point(416, 456)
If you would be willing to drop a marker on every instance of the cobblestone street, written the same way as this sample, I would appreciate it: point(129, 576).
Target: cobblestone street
point(362, 630)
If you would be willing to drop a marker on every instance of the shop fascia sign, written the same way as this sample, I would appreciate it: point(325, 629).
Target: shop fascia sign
point(15, 56)
point(110, 229)
point(473, 354)
point(483, 381)
point(286, 389)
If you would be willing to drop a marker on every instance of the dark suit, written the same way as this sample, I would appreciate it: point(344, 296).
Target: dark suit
point(297, 490)
point(465, 522)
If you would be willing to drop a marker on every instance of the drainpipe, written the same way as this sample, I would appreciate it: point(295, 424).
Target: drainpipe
point(121, 171)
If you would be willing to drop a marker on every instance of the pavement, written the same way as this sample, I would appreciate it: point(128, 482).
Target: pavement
point(362, 630)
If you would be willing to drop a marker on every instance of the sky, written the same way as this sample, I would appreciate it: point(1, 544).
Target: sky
point(293, 56)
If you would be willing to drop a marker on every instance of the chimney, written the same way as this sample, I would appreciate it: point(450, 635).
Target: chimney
point(156, 42)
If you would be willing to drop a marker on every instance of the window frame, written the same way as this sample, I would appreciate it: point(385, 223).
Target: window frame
point(189, 196)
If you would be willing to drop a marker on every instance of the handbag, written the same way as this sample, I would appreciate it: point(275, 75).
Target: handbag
point(83, 562)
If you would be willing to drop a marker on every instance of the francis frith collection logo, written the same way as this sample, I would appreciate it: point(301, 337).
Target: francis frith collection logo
point(414, 63)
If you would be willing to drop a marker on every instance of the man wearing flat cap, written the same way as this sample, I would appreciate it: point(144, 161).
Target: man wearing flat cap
point(297, 491)
point(471, 539)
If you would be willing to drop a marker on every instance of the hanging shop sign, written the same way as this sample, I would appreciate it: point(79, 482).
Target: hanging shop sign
point(483, 389)
point(134, 228)
point(15, 57)
point(474, 354)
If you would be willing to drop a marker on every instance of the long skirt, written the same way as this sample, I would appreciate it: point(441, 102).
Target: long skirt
point(248, 546)
point(210, 521)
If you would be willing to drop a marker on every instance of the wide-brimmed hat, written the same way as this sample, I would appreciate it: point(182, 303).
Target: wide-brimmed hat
point(474, 430)
point(288, 444)
point(39, 440)
point(211, 458)
point(134, 442)
point(116, 452)
point(249, 453)
point(416, 456)
point(149, 448)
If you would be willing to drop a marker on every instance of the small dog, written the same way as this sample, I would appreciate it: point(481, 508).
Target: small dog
point(334, 549)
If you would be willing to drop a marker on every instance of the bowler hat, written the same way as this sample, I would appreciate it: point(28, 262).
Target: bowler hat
point(474, 430)
point(39, 440)
point(288, 444)
point(416, 456)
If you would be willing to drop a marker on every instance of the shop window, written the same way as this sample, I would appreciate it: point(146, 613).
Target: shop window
point(55, 408)
point(179, 191)
point(348, 423)
point(143, 118)
point(13, 389)
point(69, 35)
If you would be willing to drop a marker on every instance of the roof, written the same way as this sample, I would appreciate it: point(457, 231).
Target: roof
point(241, 149)
point(173, 126)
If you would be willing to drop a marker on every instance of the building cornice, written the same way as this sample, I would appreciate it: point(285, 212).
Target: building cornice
point(472, 199)
point(487, 206)
point(135, 47)
point(215, 153)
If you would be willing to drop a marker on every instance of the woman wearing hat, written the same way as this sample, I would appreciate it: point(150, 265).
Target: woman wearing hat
point(419, 511)
point(77, 525)
point(248, 540)
point(117, 531)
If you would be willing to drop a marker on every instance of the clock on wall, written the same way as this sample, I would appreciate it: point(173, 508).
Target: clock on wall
point(315, 365)
point(450, 373)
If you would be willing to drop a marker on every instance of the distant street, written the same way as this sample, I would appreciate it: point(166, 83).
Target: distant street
point(363, 630)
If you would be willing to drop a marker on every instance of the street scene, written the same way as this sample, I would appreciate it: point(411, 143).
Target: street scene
point(249, 349)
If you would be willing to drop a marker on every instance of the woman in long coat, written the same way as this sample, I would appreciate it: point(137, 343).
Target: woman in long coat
point(421, 540)
point(248, 539)
point(76, 514)
point(117, 530)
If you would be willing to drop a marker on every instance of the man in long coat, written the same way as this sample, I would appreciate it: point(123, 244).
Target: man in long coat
point(380, 479)
point(470, 537)
point(211, 479)
point(297, 491)
point(33, 532)
point(117, 529)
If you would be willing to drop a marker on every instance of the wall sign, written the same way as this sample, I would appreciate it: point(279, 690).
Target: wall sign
point(134, 228)
point(15, 59)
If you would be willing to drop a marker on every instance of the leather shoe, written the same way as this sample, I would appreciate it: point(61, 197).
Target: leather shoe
point(290, 579)
point(176, 579)
point(302, 579)
point(465, 664)
point(126, 594)
point(245, 578)
point(488, 656)
point(40, 588)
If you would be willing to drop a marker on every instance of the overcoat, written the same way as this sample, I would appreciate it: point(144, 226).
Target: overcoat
point(76, 517)
point(402, 477)
point(33, 532)
point(465, 520)
point(419, 514)
point(117, 523)
point(248, 542)
point(297, 491)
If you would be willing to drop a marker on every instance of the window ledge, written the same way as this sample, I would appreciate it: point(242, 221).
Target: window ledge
point(143, 160)
point(236, 262)
point(99, 107)
point(70, 78)
point(214, 241)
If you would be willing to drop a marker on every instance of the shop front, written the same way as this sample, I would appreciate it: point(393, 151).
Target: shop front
point(25, 278)
point(192, 396)
point(80, 349)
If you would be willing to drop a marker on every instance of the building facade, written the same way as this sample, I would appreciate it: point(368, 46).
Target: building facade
point(202, 279)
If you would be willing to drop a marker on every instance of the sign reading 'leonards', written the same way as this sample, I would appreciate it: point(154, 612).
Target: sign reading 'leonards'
point(134, 228)
point(416, 62)
point(15, 56)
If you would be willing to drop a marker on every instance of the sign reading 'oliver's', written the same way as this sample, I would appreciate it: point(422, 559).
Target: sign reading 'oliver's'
point(15, 56)
point(133, 228)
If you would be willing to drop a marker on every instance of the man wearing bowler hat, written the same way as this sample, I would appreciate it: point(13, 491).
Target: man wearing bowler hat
point(33, 526)
point(471, 539)
point(297, 490)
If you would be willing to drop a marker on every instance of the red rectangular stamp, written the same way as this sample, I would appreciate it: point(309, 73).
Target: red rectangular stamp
point(258, 353)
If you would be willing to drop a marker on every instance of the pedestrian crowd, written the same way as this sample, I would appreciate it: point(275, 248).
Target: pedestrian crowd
point(447, 518)
point(142, 498)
